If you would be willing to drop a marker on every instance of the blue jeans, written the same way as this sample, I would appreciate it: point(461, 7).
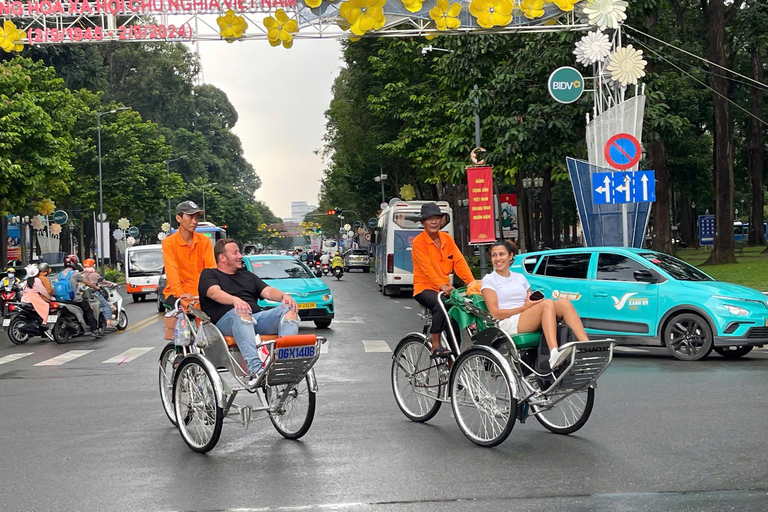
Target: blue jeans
point(269, 321)
point(105, 307)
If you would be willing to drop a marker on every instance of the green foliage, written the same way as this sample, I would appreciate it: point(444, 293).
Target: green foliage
point(114, 275)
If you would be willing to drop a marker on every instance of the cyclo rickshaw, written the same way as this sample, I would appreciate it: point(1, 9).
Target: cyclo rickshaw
point(495, 381)
point(201, 373)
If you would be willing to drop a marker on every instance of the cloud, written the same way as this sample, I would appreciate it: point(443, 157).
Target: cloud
point(280, 96)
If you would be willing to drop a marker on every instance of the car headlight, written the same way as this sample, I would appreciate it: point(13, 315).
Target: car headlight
point(327, 296)
point(736, 310)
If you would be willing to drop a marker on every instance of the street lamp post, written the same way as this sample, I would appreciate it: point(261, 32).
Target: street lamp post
point(380, 179)
point(168, 172)
point(204, 186)
point(101, 188)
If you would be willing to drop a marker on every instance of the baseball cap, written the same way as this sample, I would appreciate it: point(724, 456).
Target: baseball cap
point(188, 207)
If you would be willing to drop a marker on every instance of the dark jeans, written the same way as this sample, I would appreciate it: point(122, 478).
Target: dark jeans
point(88, 314)
point(428, 299)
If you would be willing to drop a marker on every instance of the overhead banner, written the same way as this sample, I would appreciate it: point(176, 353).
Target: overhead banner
point(481, 222)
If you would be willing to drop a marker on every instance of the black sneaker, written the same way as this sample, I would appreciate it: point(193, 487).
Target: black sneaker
point(97, 334)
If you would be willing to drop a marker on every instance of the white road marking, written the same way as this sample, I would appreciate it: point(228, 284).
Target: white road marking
point(129, 355)
point(396, 301)
point(376, 346)
point(14, 357)
point(353, 320)
point(407, 307)
point(64, 358)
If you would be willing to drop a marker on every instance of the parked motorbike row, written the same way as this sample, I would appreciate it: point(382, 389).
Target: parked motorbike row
point(65, 319)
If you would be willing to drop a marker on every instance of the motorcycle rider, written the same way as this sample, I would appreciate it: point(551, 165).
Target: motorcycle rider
point(11, 280)
point(90, 274)
point(45, 271)
point(337, 261)
point(325, 259)
point(37, 294)
point(71, 268)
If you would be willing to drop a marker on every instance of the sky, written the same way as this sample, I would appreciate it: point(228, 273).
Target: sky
point(280, 96)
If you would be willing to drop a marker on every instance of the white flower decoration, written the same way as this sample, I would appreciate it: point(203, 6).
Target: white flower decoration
point(118, 234)
point(165, 226)
point(593, 47)
point(123, 223)
point(37, 223)
point(626, 65)
point(606, 13)
point(55, 229)
point(130, 241)
point(161, 235)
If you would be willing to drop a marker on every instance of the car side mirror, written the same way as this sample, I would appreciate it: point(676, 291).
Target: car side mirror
point(645, 276)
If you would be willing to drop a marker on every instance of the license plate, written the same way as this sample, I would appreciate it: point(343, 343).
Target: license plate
point(51, 319)
point(296, 352)
point(148, 289)
point(308, 305)
point(6, 322)
point(766, 322)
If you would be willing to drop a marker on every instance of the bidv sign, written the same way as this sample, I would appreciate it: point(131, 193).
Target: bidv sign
point(566, 84)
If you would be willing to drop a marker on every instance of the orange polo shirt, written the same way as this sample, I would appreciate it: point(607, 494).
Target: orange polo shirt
point(184, 262)
point(433, 265)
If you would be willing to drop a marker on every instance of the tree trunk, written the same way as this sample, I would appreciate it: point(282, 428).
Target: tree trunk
point(724, 246)
point(756, 154)
point(661, 239)
point(522, 214)
point(686, 220)
point(546, 208)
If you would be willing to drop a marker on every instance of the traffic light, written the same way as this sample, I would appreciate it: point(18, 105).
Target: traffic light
point(331, 212)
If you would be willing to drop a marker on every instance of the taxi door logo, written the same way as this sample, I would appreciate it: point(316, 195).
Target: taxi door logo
point(626, 299)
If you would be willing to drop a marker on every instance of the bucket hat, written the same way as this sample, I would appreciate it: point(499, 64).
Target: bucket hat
point(431, 210)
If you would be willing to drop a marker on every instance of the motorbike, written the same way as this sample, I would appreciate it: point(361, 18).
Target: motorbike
point(9, 293)
point(326, 269)
point(71, 322)
point(24, 323)
point(338, 272)
point(119, 316)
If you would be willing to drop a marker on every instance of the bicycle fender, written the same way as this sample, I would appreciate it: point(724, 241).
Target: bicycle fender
point(312, 380)
point(422, 336)
point(218, 385)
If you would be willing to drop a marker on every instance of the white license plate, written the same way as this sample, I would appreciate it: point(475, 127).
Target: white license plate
point(296, 352)
point(51, 319)
point(6, 322)
point(148, 289)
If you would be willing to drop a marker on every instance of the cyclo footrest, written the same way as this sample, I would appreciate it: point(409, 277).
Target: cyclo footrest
point(588, 360)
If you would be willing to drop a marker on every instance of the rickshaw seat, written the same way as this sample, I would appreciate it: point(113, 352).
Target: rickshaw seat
point(526, 340)
point(231, 343)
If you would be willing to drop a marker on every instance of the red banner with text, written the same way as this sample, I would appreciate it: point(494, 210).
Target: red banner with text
point(481, 221)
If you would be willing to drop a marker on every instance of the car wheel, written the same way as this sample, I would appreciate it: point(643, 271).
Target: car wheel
point(366, 270)
point(734, 352)
point(138, 297)
point(688, 337)
point(322, 324)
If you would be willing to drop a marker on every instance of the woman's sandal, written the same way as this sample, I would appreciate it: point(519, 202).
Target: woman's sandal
point(440, 353)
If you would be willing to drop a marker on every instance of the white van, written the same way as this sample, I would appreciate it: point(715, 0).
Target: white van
point(143, 268)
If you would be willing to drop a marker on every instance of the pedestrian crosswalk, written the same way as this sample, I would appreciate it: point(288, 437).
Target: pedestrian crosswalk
point(64, 358)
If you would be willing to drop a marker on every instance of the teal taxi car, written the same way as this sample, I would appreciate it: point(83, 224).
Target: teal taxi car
point(290, 275)
point(642, 297)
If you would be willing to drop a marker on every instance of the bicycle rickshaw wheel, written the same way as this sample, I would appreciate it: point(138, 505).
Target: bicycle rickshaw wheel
point(199, 415)
point(165, 379)
point(298, 410)
point(481, 398)
point(415, 379)
point(568, 415)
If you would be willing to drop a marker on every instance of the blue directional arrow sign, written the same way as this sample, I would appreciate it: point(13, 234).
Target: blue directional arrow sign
point(623, 187)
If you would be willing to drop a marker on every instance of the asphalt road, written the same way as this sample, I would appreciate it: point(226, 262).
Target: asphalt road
point(90, 434)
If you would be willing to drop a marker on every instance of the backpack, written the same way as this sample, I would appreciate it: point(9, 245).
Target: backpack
point(63, 288)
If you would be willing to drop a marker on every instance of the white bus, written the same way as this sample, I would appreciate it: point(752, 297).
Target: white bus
point(143, 268)
point(330, 246)
point(398, 226)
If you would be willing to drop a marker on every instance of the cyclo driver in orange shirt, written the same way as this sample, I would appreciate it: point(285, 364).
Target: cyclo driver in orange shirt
point(185, 255)
point(436, 256)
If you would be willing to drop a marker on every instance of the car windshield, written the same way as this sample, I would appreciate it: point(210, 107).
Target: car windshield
point(356, 252)
point(679, 270)
point(280, 269)
point(145, 263)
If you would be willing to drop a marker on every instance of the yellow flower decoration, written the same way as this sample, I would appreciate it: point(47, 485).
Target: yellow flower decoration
point(232, 26)
point(280, 28)
point(565, 5)
point(445, 15)
point(312, 4)
point(491, 13)
point(533, 9)
point(363, 15)
point(413, 5)
point(46, 207)
point(55, 229)
point(11, 37)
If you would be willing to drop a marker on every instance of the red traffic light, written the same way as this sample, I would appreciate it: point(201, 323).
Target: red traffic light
point(331, 212)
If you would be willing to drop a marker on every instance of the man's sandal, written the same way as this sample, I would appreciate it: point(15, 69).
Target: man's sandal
point(440, 353)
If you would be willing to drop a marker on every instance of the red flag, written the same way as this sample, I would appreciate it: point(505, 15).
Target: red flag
point(481, 221)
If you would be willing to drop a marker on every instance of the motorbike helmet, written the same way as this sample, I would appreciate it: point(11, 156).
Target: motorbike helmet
point(90, 262)
point(44, 267)
point(70, 260)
